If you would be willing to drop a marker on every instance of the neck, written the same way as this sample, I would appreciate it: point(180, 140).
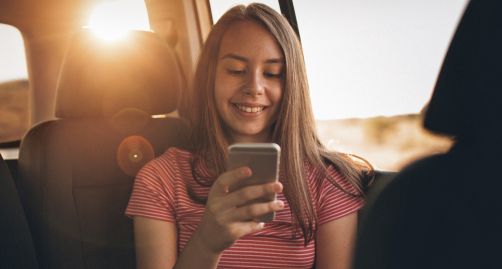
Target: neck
point(263, 137)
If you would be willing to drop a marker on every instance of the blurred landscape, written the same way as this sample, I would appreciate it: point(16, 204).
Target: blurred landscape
point(14, 112)
point(388, 143)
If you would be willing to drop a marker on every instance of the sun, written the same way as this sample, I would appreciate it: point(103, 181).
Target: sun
point(111, 20)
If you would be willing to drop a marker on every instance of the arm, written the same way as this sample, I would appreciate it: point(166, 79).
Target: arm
point(156, 247)
point(155, 243)
point(227, 217)
point(335, 243)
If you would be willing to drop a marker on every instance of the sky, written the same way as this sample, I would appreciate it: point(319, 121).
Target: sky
point(364, 57)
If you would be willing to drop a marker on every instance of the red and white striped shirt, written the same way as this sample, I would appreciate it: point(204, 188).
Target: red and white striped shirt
point(160, 192)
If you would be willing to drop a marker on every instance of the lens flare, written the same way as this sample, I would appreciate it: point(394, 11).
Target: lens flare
point(134, 152)
point(111, 20)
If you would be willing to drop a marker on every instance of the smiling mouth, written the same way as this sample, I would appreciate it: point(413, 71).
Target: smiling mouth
point(249, 109)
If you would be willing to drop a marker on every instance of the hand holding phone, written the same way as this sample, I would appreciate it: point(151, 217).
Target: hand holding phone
point(263, 159)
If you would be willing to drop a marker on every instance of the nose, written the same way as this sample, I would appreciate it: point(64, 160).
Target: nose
point(254, 84)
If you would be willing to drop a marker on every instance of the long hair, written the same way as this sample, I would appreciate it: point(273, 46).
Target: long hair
point(294, 129)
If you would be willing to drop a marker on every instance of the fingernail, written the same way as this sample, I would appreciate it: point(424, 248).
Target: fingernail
point(261, 225)
point(279, 203)
point(246, 171)
point(278, 187)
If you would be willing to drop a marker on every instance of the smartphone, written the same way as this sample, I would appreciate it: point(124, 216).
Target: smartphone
point(263, 159)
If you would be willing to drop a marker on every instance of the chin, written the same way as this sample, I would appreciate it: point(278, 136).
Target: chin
point(249, 133)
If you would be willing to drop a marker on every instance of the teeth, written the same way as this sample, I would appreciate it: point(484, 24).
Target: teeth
point(249, 109)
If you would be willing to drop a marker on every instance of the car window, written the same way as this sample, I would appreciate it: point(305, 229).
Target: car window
point(14, 90)
point(372, 66)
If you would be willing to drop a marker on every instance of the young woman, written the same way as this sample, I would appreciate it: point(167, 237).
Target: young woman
point(250, 86)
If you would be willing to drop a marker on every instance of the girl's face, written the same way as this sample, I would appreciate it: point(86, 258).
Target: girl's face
point(249, 82)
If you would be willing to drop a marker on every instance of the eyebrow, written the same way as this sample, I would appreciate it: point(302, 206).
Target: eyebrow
point(244, 59)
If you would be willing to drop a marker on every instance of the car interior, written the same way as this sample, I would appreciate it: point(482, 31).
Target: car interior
point(66, 194)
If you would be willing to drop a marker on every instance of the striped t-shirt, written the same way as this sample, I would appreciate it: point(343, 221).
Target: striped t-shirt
point(160, 192)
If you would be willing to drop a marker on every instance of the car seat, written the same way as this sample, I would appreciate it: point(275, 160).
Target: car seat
point(16, 244)
point(77, 171)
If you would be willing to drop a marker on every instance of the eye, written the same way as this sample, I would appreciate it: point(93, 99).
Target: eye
point(273, 74)
point(236, 72)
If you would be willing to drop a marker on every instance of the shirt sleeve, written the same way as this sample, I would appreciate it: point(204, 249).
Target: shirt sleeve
point(153, 192)
point(335, 203)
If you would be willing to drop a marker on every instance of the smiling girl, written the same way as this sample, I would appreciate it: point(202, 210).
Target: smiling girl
point(250, 86)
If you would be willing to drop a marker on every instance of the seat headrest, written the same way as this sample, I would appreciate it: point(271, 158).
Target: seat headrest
point(102, 78)
point(468, 94)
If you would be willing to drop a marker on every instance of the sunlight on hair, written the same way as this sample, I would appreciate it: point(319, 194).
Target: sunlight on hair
point(160, 116)
point(111, 20)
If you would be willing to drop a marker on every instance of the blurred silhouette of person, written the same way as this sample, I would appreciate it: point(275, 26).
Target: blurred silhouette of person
point(444, 211)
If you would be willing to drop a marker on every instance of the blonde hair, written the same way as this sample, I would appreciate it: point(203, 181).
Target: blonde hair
point(294, 129)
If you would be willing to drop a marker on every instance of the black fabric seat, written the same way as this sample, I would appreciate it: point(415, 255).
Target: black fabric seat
point(445, 211)
point(379, 182)
point(16, 245)
point(77, 172)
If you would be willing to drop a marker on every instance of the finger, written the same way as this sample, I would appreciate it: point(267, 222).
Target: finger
point(250, 193)
point(254, 211)
point(248, 227)
point(229, 178)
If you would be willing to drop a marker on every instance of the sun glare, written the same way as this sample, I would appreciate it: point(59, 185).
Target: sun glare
point(111, 20)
